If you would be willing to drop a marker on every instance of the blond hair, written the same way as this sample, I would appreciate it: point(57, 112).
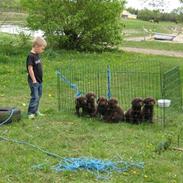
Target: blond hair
point(39, 41)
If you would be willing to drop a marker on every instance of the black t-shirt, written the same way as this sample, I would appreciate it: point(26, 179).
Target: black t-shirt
point(34, 60)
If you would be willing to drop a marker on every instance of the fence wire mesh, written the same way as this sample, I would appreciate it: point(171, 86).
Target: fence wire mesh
point(171, 89)
point(127, 81)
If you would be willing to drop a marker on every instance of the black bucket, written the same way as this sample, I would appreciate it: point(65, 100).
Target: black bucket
point(8, 115)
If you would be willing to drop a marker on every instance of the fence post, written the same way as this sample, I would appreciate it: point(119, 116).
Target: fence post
point(180, 89)
point(98, 83)
point(58, 89)
point(108, 82)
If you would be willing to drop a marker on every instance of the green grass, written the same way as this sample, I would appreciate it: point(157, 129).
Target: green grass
point(13, 18)
point(154, 45)
point(135, 27)
point(70, 136)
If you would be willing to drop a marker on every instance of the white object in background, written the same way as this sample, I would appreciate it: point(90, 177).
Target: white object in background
point(15, 29)
point(166, 37)
point(164, 102)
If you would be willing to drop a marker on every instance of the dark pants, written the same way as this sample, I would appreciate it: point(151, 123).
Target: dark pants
point(36, 93)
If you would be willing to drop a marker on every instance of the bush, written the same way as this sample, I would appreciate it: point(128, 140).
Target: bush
point(83, 25)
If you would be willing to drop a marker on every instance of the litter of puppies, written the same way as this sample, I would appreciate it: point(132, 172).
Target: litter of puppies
point(108, 110)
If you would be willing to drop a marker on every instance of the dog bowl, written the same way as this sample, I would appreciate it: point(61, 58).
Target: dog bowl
point(164, 102)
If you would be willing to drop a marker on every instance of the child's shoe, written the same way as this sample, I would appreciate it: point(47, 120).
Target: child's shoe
point(31, 116)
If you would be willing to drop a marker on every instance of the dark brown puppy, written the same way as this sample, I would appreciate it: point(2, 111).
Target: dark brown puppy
point(81, 103)
point(114, 112)
point(148, 109)
point(102, 105)
point(91, 104)
point(134, 114)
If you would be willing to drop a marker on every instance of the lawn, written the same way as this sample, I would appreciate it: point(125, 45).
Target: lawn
point(69, 136)
point(136, 27)
point(13, 18)
point(157, 45)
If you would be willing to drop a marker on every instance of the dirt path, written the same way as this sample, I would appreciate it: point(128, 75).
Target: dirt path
point(153, 52)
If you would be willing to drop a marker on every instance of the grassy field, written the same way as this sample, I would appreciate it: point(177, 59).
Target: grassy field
point(154, 45)
point(135, 28)
point(69, 136)
point(13, 18)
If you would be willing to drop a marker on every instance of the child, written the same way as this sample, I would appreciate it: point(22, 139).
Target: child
point(35, 75)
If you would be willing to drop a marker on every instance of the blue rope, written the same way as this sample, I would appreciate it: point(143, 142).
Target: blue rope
point(75, 87)
point(32, 145)
point(73, 164)
point(71, 85)
point(96, 166)
point(108, 82)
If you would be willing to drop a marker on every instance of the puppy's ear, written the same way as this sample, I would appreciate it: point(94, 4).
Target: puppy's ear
point(115, 101)
point(145, 100)
point(77, 101)
point(87, 95)
point(141, 102)
point(137, 101)
point(153, 101)
point(134, 101)
point(93, 95)
point(98, 100)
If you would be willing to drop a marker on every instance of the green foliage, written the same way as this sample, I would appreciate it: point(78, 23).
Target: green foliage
point(149, 15)
point(133, 10)
point(23, 40)
point(179, 14)
point(163, 146)
point(174, 16)
point(157, 15)
point(83, 24)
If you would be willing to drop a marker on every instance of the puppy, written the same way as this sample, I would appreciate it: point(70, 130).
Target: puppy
point(81, 103)
point(134, 114)
point(102, 105)
point(114, 112)
point(91, 104)
point(148, 109)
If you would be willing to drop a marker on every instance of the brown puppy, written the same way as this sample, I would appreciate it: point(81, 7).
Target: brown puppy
point(114, 112)
point(134, 114)
point(148, 109)
point(91, 104)
point(81, 103)
point(102, 105)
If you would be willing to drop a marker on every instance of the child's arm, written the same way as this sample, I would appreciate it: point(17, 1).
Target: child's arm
point(31, 73)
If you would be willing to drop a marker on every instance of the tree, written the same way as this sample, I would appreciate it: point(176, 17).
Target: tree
point(132, 10)
point(179, 14)
point(145, 14)
point(77, 24)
